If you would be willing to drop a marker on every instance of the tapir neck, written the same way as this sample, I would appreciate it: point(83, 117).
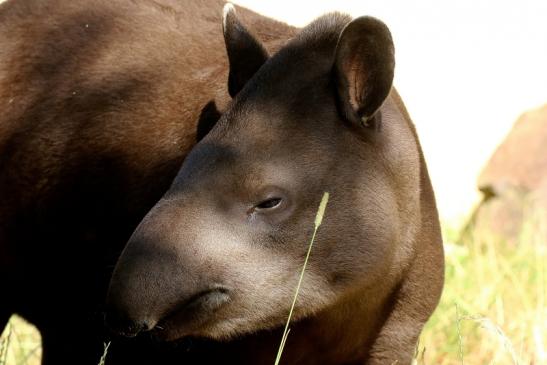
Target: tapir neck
point(342, 334)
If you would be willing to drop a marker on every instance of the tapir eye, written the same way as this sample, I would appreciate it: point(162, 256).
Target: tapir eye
point(269, 203)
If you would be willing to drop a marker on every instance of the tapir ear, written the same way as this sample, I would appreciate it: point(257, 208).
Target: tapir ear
point(363, 68)
point(208, 117)
point(245, 53)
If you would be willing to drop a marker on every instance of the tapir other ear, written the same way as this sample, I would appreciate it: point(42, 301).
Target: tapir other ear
point(363, 68)
point(245, 53)
point(208, 117)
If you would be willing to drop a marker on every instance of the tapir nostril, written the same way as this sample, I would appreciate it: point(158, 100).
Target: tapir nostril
point(196, 307)
point(126, 327)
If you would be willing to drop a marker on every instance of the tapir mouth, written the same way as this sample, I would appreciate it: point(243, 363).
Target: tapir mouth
point(186, 318)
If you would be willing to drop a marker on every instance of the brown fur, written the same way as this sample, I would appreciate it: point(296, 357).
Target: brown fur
point(99, 104)
point(102, 101)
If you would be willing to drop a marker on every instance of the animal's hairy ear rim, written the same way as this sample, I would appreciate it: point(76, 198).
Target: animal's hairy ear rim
point(363, 68)
point(245, 53)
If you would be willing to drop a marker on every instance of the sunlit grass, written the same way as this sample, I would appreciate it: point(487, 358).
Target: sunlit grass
point(102, 361)
point(495, 294)
point(20, 344)
point(493, 309)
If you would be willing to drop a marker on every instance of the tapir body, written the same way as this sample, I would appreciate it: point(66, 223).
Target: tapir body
point(101, 103)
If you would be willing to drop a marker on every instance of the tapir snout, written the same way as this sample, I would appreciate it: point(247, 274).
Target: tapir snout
point(141, 299)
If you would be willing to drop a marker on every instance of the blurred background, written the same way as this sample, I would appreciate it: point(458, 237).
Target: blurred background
point(467, 71)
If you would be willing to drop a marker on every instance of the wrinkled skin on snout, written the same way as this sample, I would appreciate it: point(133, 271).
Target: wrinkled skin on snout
point(220, 254)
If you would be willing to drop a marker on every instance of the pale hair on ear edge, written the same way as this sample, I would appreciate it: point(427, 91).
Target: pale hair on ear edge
point(228, 7)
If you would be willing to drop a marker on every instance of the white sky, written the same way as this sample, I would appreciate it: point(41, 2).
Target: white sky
point(466, 70)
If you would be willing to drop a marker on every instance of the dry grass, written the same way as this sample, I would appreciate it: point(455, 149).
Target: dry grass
point(20, 344)
point(493, 309)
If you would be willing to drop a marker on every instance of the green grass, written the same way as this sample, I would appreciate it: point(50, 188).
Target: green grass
point(493, 309)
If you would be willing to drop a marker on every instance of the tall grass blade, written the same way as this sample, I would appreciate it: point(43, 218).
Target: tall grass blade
point(458, 324)
point(102, 361)
point(4, 345)
point(318, 220)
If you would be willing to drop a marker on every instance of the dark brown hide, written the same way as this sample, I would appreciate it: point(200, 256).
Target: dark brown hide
point(99, 102)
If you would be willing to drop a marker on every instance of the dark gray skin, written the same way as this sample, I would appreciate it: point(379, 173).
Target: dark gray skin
point(219, 256)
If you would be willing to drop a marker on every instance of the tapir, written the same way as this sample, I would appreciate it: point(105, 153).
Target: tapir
point(161, 163)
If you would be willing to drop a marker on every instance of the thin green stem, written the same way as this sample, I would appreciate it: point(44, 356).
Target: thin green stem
point(318, 220)
point(102, 361)
point(458, 321)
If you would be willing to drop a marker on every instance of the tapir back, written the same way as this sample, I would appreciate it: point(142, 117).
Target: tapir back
point(99, 108)
point(100, 102)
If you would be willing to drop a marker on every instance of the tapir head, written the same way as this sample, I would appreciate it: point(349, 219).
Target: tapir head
point(221, 253)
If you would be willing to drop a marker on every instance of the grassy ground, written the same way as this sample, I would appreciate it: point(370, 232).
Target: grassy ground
point(493, 310)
